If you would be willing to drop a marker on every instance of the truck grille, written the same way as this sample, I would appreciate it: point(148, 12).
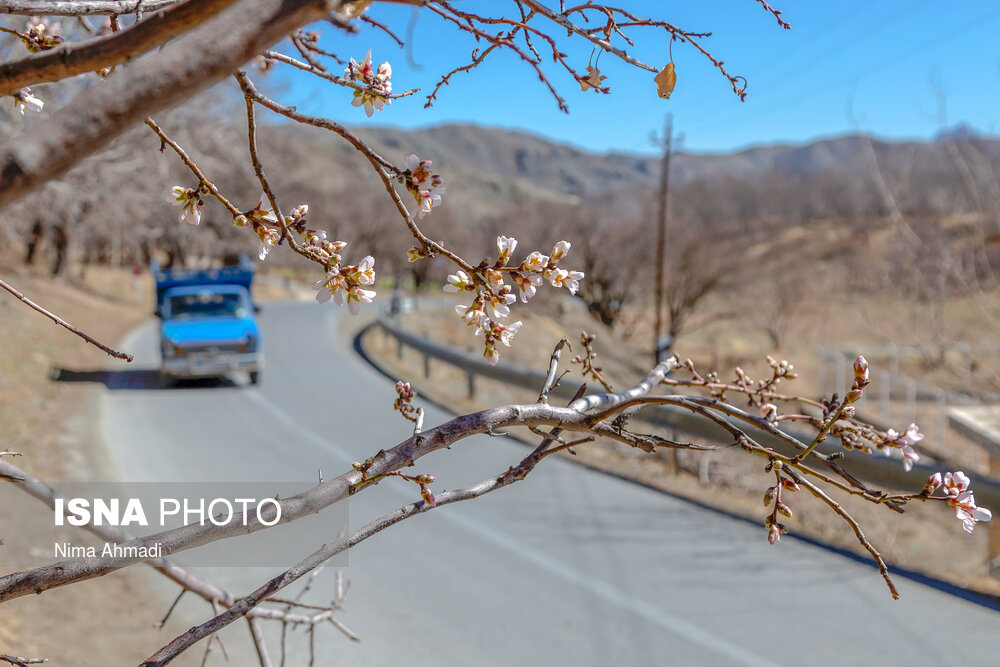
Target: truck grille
point(210, 350)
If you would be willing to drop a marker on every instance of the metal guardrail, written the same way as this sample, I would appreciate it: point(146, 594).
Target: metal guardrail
point(884, 471)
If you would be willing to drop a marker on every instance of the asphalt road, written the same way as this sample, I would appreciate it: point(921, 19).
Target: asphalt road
point(570, 567)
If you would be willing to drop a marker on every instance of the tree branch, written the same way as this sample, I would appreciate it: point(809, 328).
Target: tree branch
point(66, 325)
point(81, 7)
point(331, 491)
point(183, 68)
point(73, 58)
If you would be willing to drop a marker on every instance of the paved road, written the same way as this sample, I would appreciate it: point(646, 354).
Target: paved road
point(570, 567)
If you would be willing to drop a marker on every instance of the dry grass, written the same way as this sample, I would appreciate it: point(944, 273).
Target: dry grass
point(111, 620)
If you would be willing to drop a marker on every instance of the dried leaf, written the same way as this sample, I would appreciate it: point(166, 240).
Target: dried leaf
point(666, 80)
point(355, 9)
point(592, 80)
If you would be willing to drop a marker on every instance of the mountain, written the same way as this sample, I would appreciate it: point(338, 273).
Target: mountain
point(488, 170)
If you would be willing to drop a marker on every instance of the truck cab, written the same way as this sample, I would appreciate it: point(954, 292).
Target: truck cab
point(207, 325)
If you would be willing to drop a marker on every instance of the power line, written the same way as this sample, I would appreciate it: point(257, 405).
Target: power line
point(800, 65)
point(799, 97)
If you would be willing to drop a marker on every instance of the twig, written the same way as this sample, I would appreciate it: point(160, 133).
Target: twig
point(20, 662)
point(163, 621)
point(66, 325)
point(202, 179)
point(550, 378)
point(835, 506)
point(258, 642)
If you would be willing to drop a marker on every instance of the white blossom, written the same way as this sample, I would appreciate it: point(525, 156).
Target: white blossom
point(24, 99)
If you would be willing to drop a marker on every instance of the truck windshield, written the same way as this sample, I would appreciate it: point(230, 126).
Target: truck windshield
point(207, 304)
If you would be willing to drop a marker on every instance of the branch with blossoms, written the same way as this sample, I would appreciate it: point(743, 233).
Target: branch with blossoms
point(161, 78)
point(594, 415)
point(188, 46)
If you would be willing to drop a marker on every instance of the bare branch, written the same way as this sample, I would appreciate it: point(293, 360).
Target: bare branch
point(258, 642)
point(66, 325)
point(82, 7)
point(183, 68)
point(71, 59)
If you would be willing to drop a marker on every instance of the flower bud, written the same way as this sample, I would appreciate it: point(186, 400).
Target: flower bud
point(861, 374)
point(785, 509)
point(933, 483)
point(428, 497)
point(773, 535)
point(769, 496)
point(853, 396)
point(790, 484)
point(425, 479)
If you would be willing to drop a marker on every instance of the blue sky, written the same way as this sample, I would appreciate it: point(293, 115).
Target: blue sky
point(873, 65)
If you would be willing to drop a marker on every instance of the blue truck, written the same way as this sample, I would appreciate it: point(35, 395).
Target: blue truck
point(207, 326)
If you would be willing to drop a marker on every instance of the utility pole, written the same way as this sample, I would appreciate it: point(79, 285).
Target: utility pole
point(660, 344)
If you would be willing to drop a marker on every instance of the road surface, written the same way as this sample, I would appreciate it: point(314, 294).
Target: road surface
point(570, 567)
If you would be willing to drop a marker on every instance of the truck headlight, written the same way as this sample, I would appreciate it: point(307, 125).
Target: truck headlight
point(251, 344)
point(167, 348)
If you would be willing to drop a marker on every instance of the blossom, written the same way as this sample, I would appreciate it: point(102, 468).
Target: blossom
point(190, 203)
point(458, 282)
point(268, 237)
point(377, 82)
point(560, 250)
point(41, 35)
point(967, 512)
point(500, 303)
point(526, 283)
point(536, 261)
point(494, 279)
point(23, 98)
point(262, 212)
point(956, 487)
point(356, 296)
point(491, 354)
point(505, 248)
point(329, 286)
point(364, 274)
point(568, 279)
point(426, 187)
point(905, 442)
point(473, 316)
point(955, 483)
point(416, 253)
point(505, 333)
point(933, 483)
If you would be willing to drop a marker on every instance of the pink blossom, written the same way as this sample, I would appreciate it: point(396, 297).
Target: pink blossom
point(967, 512)
point(933, 483)
point(956, 483)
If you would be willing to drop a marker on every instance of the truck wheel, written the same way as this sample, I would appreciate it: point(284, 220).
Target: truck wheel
point(254, 377)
